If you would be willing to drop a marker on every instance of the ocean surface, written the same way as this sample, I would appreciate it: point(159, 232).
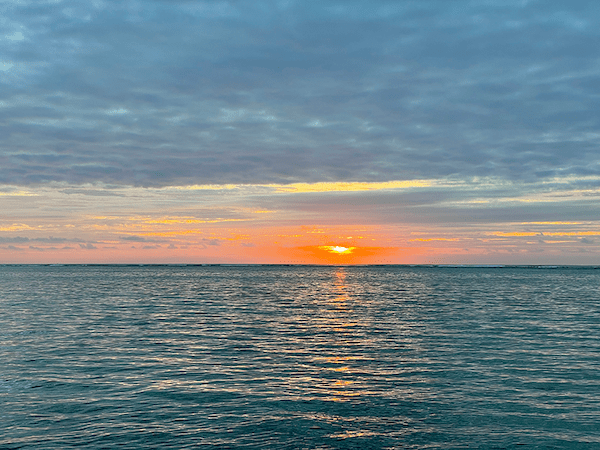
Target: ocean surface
point(277, 357)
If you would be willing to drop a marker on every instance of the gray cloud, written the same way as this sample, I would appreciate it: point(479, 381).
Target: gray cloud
point(436, 205)
point(16, 240)
point(160, 93)
point(23, 239)
point(205, 242)
point(133, 238)
point(92, 192)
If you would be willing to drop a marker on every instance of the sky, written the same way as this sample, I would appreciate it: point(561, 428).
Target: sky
point(327, 132)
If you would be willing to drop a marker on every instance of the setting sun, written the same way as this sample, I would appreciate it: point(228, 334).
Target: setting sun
point(337, 249)
point(339, 254)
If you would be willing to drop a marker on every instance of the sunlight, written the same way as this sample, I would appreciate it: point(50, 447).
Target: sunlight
point(337, 249)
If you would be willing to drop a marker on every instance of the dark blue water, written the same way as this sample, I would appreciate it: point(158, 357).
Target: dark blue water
point(299, 357)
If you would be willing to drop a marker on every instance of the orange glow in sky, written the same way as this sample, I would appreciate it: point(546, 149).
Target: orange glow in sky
point(338, 254)
point(338, 249)
point(321, 223)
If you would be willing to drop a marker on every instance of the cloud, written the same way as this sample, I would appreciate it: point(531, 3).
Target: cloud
point(133, 238)
point(93, 192)
point(180, 93)
point(482, 201)
point(88, 246)
point(16, 240)
point(206, 242)
point(23, 239)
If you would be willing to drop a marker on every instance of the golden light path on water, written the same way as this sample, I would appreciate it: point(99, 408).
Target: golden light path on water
point(337, 319)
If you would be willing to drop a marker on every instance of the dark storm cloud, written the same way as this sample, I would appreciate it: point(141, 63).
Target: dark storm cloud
point(158, 93)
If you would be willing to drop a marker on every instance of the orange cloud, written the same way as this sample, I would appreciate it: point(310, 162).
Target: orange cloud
point(17, 227)
point(349, 186)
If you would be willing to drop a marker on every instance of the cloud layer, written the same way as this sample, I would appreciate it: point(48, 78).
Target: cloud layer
point(160, 93)
point(489, 221)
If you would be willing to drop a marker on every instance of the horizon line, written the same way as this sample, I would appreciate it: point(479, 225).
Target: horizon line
point(456, 266)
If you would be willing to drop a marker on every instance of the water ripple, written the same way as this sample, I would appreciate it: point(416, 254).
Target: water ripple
point(299, 357)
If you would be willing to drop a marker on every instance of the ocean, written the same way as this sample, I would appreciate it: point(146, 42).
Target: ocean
point(299, 357)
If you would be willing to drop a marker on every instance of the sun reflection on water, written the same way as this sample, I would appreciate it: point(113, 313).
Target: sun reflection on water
point(340, 287)
point(339, 354)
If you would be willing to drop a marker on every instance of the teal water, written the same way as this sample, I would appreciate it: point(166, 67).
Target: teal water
point(95, 357)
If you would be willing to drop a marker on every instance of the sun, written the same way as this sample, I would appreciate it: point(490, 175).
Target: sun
point(337, 249)
point(337, 253)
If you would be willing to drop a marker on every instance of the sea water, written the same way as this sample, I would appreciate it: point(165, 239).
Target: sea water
point(275, 357)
